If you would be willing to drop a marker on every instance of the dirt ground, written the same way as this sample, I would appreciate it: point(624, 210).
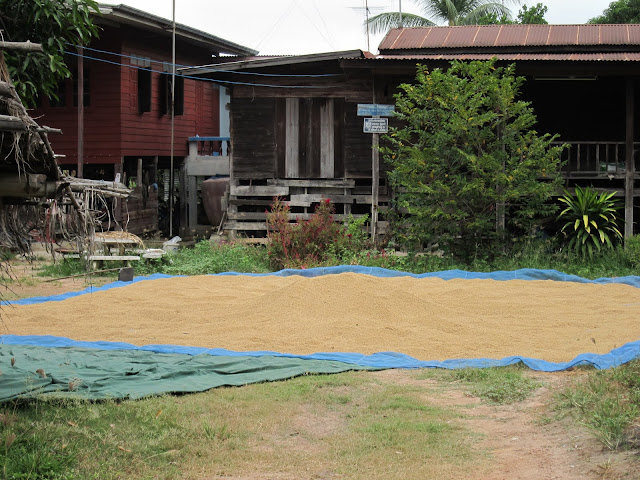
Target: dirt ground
point(522, 445)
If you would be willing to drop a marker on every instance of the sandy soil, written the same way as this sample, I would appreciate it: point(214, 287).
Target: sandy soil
point(429, 319)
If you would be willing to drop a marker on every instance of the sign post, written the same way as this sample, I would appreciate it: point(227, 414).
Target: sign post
point(375, 125)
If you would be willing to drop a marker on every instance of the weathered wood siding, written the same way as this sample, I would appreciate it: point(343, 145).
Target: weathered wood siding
point(253, 135)
point(357, 145)
point(302, 133)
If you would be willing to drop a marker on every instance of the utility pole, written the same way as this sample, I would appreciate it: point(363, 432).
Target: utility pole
point(80, 98)
point(173, 95)
point(366, 9)
point(400, 10)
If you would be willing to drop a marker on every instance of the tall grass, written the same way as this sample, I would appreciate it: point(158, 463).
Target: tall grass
point(606, 402)
point(207, 258)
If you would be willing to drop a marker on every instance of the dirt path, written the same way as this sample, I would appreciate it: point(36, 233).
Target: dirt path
point(521, 443)
point(25, 281)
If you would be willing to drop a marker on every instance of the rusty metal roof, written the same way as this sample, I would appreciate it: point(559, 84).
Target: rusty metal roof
point(496, 36)
point(512, 57)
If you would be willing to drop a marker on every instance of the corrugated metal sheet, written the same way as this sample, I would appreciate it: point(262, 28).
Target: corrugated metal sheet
point(510, 36)
point(575, 57)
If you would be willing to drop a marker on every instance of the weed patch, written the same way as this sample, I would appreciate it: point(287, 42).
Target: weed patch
point(606, 402)
point(499, 385)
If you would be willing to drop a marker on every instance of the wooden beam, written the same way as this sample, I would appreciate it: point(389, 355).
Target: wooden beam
point(12, 124)
point(258, 190)
point(292, 148)
point(327, 140)
point(22, 46)
point(5, 89)
point(629, 161)
point(329, 183)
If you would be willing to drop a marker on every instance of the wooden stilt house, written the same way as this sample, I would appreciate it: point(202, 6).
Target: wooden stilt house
point(296, 133)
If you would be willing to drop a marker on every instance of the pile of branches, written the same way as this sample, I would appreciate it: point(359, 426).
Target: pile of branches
point(37, 202)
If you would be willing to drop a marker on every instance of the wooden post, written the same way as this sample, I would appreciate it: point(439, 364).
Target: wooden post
point(375, 184)
point(118, 172)
point(139, 173)
point(192, 195)
point(629, 161)
point(80, 112)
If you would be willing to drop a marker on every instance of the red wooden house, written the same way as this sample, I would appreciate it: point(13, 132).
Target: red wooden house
point(127, 108)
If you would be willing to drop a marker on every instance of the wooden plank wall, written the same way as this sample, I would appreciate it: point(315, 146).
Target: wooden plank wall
point(101, 117)
point(113, 126)
point(254, 140)
point(148, 134)
point(138, 214)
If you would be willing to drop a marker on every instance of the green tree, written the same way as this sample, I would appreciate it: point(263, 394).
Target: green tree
point(533, 15)
point(620, 11)
point(454, 12)
point(526, 16)
point(466, 161)
point(53, 23)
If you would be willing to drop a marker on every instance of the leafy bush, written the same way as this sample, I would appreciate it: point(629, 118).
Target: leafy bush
point(317, 241)
point(591, 220)
point(466, 161)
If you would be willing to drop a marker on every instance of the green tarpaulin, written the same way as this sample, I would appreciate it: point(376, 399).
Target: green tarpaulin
point(117, 374)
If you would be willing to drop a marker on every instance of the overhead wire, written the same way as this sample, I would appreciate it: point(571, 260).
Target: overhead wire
point(313, 2)
point(192, 77)
point(206, 67)
point(315, 26)
point(285, 14)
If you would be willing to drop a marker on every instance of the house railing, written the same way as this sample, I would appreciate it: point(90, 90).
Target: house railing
point(596, 159)
point(210, 146)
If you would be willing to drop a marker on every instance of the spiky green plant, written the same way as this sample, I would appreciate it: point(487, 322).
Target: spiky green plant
point(591, 220)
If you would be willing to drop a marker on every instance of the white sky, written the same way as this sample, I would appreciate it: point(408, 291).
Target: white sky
point(293, 27)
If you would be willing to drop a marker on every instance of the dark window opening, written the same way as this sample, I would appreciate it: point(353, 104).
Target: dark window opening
point(86, 85)
point(165, 94)
point(144, 91)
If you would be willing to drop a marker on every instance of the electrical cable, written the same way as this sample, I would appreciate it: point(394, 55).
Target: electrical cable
point(191, 77)
point(285, 14)
point(203, 67)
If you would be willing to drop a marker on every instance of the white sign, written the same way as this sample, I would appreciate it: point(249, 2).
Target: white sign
point(375, 110)
point(376, 125)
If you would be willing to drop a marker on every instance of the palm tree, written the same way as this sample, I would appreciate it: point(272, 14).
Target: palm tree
point(454, 12)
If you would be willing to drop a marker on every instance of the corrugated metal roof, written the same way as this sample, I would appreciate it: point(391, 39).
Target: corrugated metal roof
point(576, 57)
point(479, 36)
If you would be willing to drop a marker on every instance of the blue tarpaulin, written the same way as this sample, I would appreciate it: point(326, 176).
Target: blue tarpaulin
point(614, 358)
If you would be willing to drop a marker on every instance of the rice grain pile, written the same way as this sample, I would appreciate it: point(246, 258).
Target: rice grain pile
point(429, 319)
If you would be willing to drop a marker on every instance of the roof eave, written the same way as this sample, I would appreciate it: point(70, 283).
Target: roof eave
point(274, 62)
point(124, 14)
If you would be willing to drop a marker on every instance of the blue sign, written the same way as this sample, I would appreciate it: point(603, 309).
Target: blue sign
point(375, 110)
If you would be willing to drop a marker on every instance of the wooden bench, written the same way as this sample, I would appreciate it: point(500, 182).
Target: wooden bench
point(96, 259)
